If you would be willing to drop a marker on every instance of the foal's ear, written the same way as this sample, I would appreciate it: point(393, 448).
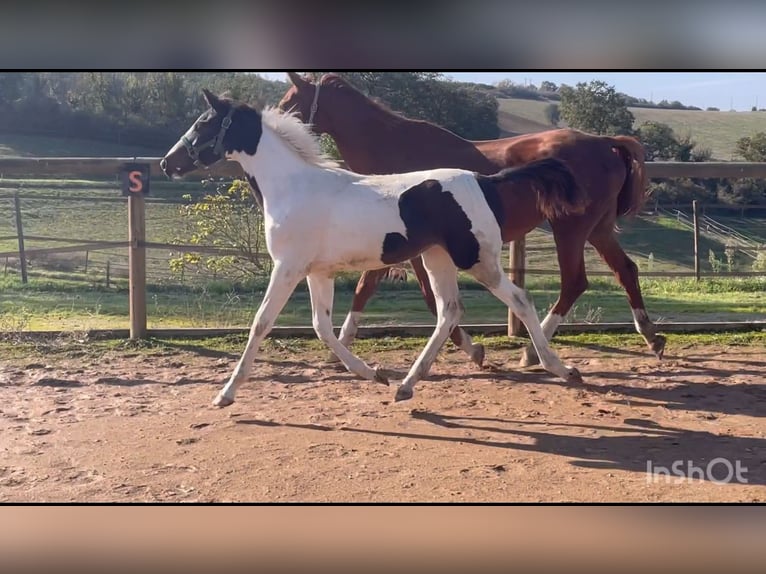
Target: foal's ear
point(297, 81)
point(212, 99)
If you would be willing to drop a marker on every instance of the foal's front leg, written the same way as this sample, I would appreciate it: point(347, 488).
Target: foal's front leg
point(281, 285)
point(321, 288)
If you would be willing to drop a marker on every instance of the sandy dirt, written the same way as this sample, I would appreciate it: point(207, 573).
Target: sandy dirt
point(124, 426)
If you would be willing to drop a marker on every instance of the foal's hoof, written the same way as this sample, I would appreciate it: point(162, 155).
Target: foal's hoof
point(380, 377)
point(331, 358)
point(477, 354)
point(574, 376)
point(403, 394)
point(658, 346)
point(222, 401)
point(529, 357)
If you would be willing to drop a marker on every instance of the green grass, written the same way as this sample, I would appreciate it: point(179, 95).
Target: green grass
point(718, 131)
point(61, 295)
point(58, 306)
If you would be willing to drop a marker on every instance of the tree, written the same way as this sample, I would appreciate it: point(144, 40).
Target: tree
point(467, 111)
point(228, 218)
point(752, 148)
point(10, 87)
point(596, 108)
point(662, 144)
point(546, 86)
point(553, 114)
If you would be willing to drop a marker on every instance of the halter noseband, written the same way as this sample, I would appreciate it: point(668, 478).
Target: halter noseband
point(216, 143)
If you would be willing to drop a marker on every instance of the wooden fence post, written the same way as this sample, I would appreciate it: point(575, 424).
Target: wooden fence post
point(20, 234)
point(135, 183)
point(695, 211)
point(517, 264)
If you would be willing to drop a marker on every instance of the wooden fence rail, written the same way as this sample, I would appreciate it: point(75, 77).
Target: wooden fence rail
point(108, 168)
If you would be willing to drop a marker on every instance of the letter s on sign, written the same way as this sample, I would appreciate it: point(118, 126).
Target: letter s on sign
point(136, 183)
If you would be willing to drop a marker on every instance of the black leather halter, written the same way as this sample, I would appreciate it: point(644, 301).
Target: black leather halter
point(216, 143)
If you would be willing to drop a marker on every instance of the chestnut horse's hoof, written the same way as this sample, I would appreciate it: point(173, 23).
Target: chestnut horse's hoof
point(477, 354)
point(658, 346)
point(529, 357)
point(403, 394)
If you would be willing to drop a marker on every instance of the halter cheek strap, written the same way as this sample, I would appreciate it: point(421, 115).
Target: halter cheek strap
point(216, 143)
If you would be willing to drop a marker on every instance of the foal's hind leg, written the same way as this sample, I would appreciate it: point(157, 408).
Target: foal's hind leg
point(626, 272)
point(458, 334)
point(365, 289)
point(443, 275)
point(321, 288)
point(515, 297)
point(281, 285)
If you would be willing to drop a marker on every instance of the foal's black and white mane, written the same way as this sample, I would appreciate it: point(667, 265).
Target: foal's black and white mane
point(320, 219)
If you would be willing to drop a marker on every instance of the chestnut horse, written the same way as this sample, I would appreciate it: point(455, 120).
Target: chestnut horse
point(373, 139)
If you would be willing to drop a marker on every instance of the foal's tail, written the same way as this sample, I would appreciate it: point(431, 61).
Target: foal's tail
point(634, 191)
point(557, 191)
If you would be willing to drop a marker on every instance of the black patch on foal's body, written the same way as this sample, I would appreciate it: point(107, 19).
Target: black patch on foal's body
point(432, 216)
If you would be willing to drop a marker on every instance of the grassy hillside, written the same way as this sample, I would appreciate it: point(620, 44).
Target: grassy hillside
point(718, 131)
point(44, 146)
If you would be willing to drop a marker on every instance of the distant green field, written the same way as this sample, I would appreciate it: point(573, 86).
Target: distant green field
point(718, 131)
point(44, 146)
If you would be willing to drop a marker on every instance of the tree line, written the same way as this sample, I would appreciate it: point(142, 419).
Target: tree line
point(150, 109)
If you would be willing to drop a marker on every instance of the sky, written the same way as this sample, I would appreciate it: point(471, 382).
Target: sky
point(724, 90)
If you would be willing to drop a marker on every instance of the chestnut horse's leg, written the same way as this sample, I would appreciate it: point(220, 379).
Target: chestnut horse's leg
point(365, 289)
point(570, 244)
point(626, 272)
point(458, 335)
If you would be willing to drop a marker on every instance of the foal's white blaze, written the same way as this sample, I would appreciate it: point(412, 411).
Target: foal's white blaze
point(320, 219)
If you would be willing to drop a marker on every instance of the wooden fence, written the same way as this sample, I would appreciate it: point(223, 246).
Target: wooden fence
point(108, 168)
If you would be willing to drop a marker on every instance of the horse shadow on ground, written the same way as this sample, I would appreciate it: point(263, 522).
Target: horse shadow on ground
point(125, 382)
point(638, 444)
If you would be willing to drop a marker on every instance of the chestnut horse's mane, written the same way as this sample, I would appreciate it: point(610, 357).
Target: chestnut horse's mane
point(335, 81)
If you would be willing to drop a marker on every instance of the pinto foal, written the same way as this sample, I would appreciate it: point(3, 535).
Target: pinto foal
point(320, 219)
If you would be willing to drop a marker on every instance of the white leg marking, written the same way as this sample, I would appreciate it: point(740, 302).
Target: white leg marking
point(322, 290)
point(347, 333)
point(640, 317)
point(281, 285)
point(550, 324)
point(350, 327)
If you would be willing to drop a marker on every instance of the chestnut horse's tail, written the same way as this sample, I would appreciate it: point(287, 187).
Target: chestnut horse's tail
point(634, 191)
point(557, 191)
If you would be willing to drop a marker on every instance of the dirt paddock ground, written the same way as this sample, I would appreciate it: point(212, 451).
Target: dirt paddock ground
point(130, 426)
